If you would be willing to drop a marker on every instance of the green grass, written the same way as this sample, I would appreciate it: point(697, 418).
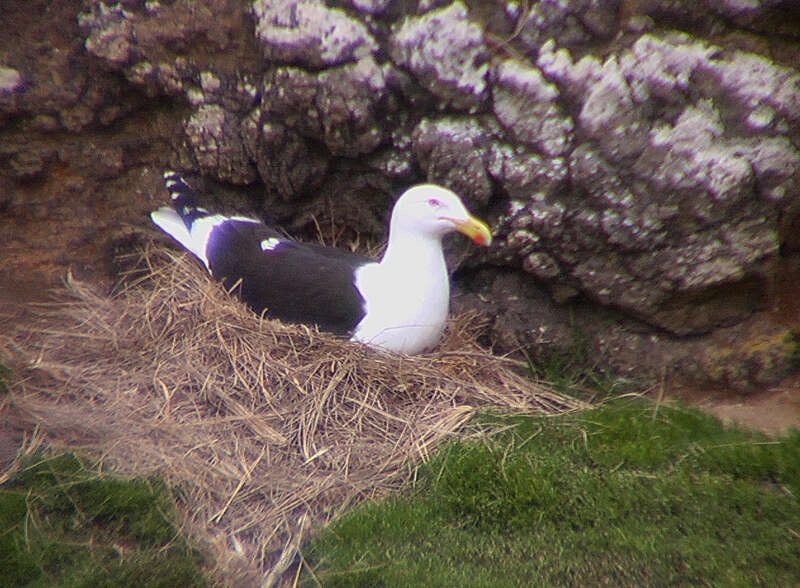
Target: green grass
point(63, 524)
point(626, 494)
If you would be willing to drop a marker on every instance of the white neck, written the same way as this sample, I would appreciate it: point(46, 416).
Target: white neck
point(414, 250)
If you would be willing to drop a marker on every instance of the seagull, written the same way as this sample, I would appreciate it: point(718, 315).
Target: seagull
point(398, 304)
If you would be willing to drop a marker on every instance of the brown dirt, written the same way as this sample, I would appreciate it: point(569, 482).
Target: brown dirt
point(773, 410)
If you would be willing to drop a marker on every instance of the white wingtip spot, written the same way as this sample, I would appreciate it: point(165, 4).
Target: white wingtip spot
point(270, 244)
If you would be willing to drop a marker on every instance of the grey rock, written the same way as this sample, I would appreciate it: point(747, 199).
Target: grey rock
point(774, 161)
point(446, 52)
point(29, 164)
point(150, 46)
point(45, 122)
point(523, 315)
point(616, 96)
point(692, 164)
point(10, 80)
point(395, 159)
point(286, 163)
point(770, 17)
point(209, 82)
point(759, 94)
point(673, 203)
point(428, 5)
point(215, 139)
point(371, 6)
point(76, 118)
point(525, 175)
point(11, 91)
point(526, 104)
point(571, 23)
point(340, 105)
point(741, 358)
point(454, 152)
point(310, 33)
point(398, 165)
point(111, 33)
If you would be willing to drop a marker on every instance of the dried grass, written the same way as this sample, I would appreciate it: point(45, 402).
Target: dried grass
point(263, 429)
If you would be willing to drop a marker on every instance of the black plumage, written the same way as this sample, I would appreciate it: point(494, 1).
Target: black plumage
point(321, 279)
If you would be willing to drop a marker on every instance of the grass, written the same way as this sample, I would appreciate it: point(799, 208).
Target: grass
point(627, 494)
point(64, 524)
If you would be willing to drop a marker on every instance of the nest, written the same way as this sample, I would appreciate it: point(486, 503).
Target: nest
point(264, 430)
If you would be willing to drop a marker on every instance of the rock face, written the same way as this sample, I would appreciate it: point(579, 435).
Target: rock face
point(643, 180)
point(679, 191)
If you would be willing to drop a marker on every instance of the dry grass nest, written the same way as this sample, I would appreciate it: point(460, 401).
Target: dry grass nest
point(263, 430)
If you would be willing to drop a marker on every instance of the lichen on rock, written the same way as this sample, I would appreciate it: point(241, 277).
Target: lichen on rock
point(307, 32)
point(667, 187)
point(526, 104)
point(216, 142)
point(444, 49)
point(339, 106)
point(439, 143)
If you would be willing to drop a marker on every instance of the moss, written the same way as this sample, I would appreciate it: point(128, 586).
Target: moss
point(751, 361)
point(64, 524)
point(792, 341)
point(628, 494)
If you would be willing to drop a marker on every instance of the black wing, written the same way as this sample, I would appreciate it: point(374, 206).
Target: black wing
point(295, 282)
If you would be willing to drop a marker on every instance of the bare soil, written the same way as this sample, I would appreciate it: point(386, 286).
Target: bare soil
point(772, 410)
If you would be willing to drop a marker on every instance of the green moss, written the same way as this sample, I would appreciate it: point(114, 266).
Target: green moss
point(627, 494)
point(792, 340)
point(5, 377)
point(64, 524)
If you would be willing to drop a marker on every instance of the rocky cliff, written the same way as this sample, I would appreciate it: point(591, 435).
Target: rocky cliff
point(638, 161)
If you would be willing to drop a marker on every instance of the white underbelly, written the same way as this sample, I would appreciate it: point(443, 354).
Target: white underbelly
point(411, 337)
point(403, 315)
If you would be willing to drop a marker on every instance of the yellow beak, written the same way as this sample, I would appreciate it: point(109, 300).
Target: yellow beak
point(475, 229)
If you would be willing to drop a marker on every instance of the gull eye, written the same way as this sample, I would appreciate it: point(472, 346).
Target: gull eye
point(434, 203)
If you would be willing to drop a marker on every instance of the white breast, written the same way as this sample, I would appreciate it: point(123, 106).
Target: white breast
point(406, 304)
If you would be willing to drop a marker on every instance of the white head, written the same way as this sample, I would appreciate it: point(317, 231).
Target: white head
point(433, 211)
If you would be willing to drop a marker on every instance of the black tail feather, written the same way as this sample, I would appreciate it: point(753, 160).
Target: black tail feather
point(183, 198)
